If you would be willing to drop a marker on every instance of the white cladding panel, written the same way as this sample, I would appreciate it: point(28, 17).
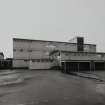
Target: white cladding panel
point(20, 44)
point(40, 65)
point(39, 54)
point(20, 63)
point(20, 55)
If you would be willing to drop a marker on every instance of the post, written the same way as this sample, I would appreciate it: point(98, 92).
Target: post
point(104, 65)
point(65, 67)
point(92, 66)
point(78, 66)
point(90, 63)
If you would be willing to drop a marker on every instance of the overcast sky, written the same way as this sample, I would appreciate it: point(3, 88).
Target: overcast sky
point(51, 20)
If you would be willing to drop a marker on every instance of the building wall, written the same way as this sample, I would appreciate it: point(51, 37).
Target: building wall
point(82, 56)
point(34, 49)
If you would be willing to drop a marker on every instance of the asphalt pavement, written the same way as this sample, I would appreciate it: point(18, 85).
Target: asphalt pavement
point(50, 87)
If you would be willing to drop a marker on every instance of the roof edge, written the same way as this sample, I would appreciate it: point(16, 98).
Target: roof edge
point(48, 41)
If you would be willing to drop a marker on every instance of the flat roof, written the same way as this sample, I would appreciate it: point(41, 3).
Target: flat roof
point(48, 41)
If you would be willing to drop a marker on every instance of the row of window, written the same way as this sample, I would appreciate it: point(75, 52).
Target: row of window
point(28, 50)
point(5, 63)
point(21, 50)
point(40, 60)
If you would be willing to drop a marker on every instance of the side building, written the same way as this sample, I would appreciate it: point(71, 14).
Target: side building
point(35, 54)
point(5, 63)
point(79, 61)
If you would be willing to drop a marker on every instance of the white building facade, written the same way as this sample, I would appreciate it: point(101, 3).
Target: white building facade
point(34, 54)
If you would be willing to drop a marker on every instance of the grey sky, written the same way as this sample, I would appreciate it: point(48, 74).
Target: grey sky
point(51, 20)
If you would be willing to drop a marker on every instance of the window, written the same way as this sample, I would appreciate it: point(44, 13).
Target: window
point(42, 60)
point(37, 60)
point(51, 60)
point(66, 54)
point(14, 49)
point(25, 60)
point(74, 54)
point(33, 60)
point(21, 50)
point(29, 50)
